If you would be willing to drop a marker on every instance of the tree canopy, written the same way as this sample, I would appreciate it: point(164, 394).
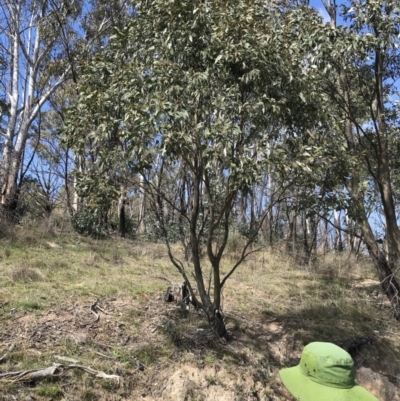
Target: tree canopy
point(196, 97)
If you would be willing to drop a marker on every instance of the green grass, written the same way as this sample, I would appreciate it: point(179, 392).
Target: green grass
point(209, 359)
point(49, 391)
point(30, 306)
point(213, 380)
point(36, 270)
point(40, 285)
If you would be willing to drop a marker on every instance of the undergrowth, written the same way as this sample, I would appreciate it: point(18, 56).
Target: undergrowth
point(273, 307)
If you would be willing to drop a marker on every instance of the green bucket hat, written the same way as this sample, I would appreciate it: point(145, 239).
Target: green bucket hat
point(325, 373)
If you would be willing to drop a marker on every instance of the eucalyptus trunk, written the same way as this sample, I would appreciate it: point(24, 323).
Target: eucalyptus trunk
point(379, 144)
point(28, 54)
point(389, 282)
point(142, 207)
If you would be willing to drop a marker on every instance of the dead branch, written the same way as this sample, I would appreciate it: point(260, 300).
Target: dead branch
point(101, 309)
point(52, 371)
point(163, 278)
point(126, 340)
point(104, 346)
point(93, 310)
point(105, 356)
point(66, 359)
point(12, 346)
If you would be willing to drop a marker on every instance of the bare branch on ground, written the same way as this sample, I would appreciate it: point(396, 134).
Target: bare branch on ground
point(52, 371)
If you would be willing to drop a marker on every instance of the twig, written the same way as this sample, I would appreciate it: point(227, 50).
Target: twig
point(55, 370)
point(66, 359)
point(105, 356)
point(12, 346)
point(126, 340)
point(164, 278)
point(93, 310)
point(101, 309)
point(103, 345)
point(140, 365)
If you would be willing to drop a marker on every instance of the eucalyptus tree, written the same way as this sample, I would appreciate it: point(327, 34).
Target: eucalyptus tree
point(40, 43)
point(360, 74)
point(30, 38)
point(188, 96)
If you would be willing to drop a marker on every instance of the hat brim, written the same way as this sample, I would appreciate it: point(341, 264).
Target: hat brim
point(304, 389)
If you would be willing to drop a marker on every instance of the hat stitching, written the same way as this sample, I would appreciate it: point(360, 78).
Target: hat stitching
point(341, 387)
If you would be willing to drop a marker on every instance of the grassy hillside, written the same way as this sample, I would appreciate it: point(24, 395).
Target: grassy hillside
point(49, 286)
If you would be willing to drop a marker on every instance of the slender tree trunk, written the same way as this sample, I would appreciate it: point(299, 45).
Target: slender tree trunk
point(306, 245)
point(142, 207)
point(338, 232)
point(25, 42)
point(252, 209)
point(383, 179)
point(211, 309)
point(121, 214)
point(389, 283)
point(275, 228)
point(77, 202)
point(325, 237)
point(350, 236)
point(13, 95)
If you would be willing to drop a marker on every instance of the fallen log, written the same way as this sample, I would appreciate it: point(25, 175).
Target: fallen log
point(52, 371)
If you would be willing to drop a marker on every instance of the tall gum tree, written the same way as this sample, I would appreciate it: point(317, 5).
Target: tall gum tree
point(40, 44)
point(30, 39)
point(186, 95)
point(361, 79)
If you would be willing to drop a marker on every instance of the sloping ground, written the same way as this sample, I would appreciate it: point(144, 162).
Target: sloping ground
point(99, 305)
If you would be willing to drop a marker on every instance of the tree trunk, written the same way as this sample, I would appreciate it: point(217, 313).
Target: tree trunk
point(252, 210)
point(27, 56)
point(338, 232)
point(306, 245)
point(351, 239)
point(384, 179)
point(142, 207)
point(217, 322)
point(121, 216)
point(389, 283)
point(77, 202)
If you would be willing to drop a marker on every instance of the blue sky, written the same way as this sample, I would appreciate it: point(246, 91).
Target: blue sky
point(321, 9)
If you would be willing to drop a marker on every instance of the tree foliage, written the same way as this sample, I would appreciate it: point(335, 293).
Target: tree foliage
point(193, 96)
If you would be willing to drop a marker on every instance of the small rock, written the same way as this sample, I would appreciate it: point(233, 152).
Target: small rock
point(377, 384)
point(53, 245)
point(78, 338)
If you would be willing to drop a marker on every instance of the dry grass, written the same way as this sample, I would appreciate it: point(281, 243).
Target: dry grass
point(272, 305)
point(26, 275)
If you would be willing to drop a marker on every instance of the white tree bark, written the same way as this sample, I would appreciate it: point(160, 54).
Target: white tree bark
point(28, 88)
point(338, 231)
point(77, 202)
point(32, 38)
point(142, 207)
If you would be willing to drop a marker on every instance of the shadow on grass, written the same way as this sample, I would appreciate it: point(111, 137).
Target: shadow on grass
point(363, 333)
point(321, 309)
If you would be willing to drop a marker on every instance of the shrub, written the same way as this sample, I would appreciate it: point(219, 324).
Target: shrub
point(92, 222)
